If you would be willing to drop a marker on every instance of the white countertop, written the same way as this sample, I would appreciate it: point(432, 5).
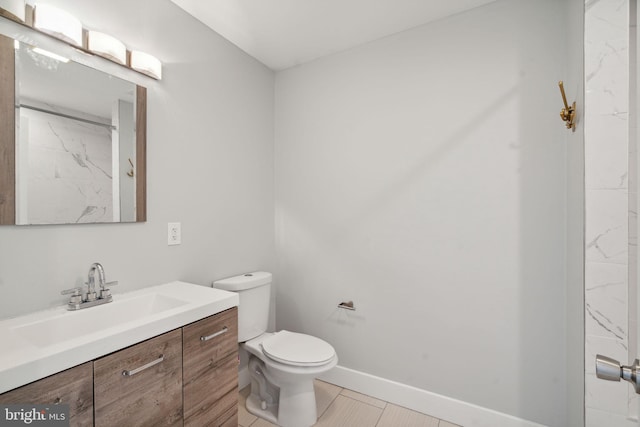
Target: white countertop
point(49, 341)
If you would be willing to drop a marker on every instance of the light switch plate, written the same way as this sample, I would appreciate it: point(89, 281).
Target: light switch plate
point(174, 236)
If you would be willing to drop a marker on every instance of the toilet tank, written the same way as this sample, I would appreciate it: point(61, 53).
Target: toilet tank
point(254, 292)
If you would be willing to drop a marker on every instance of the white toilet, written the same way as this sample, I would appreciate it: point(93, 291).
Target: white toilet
point(282, 365)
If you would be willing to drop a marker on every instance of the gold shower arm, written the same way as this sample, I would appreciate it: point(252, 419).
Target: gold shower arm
point(567, 114)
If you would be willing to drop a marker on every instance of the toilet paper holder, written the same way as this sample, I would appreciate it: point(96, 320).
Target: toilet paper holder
point(347, 305)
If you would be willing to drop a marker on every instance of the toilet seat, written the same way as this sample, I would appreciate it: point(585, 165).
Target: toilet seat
point(296, 349)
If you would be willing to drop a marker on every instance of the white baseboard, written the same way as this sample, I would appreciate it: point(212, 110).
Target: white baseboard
point(445, 408)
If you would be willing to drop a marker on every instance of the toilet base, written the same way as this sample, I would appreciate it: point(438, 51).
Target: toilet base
point(297, 410)
point(285, 391)
point(290, 403)
point(253, 406)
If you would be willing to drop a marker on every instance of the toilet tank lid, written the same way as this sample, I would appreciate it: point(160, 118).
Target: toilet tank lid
point(244, 281)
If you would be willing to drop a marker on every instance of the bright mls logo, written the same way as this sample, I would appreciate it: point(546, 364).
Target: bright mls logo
point(34, 415)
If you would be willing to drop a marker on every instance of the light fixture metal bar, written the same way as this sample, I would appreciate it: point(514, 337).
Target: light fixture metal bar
point(66, 116)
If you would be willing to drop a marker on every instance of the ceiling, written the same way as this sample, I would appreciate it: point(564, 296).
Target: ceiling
point(285, 33)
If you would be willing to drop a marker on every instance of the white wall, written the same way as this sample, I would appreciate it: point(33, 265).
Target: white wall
point(574, 86)
point(210, 151)
point(423, 177)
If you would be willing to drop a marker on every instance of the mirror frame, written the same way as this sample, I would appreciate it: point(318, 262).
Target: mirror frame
point(8, 140)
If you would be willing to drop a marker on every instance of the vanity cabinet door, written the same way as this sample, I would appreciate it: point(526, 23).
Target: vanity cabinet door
point(140, 385)
point(73, 387)
point(210, 355)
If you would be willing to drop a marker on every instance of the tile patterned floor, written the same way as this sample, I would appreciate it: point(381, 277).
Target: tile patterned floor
point(340, 407)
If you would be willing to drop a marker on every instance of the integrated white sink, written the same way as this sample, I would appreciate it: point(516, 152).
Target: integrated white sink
point(49, 341)
point(68, 325)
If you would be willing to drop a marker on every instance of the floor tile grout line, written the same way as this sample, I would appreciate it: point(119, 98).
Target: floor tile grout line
point(362, 401)
point(365, 403)
point(330, 403)
point(380, 416)
point(368, 404)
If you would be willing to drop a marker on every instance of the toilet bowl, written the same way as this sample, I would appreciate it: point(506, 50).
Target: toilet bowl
point(282, 365)
point(287, 361)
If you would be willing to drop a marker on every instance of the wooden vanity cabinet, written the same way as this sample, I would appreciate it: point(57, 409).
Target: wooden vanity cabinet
point(73, 387)
point(188, 376)
point(210, 360)
point(140, 385)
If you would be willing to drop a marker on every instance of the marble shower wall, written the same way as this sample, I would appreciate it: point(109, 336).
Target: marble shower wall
point(607, 206)
point(65, 170)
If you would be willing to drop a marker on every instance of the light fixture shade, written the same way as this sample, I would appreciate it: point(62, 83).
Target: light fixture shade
point(16, 8)
point(107, 46)
point(146, 64)
point(58, 23)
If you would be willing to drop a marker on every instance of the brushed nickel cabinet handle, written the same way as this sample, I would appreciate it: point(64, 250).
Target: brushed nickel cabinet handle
point(143, 367)
point(208, 337)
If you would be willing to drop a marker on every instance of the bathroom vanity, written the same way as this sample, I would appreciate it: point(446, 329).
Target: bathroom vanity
point(187, 375)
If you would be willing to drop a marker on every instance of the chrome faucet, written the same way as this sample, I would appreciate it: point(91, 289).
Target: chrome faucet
point(77, 301)
point(91, 282)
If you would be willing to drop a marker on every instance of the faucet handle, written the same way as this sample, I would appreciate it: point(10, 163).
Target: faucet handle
point(76, 294)
point(75, 291)
point(109, 284)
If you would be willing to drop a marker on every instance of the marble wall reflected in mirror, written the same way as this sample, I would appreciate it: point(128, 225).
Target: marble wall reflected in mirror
point(79, 143)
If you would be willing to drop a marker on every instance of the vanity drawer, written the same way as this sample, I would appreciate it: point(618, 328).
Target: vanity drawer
point(200, 354)
point(223, 413)
point(213, 396)
point(210, 358)
point(73, 387)
point(136, 386)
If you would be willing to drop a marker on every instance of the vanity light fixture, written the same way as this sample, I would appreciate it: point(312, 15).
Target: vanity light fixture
point(66, 27)
point(13, 9)
point(105, 45)
point(58, 23)
point(146, 64)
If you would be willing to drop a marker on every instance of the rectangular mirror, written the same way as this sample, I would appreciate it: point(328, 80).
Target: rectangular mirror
point(77, 147)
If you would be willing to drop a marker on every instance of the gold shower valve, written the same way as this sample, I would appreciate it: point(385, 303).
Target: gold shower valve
point(568, 113)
